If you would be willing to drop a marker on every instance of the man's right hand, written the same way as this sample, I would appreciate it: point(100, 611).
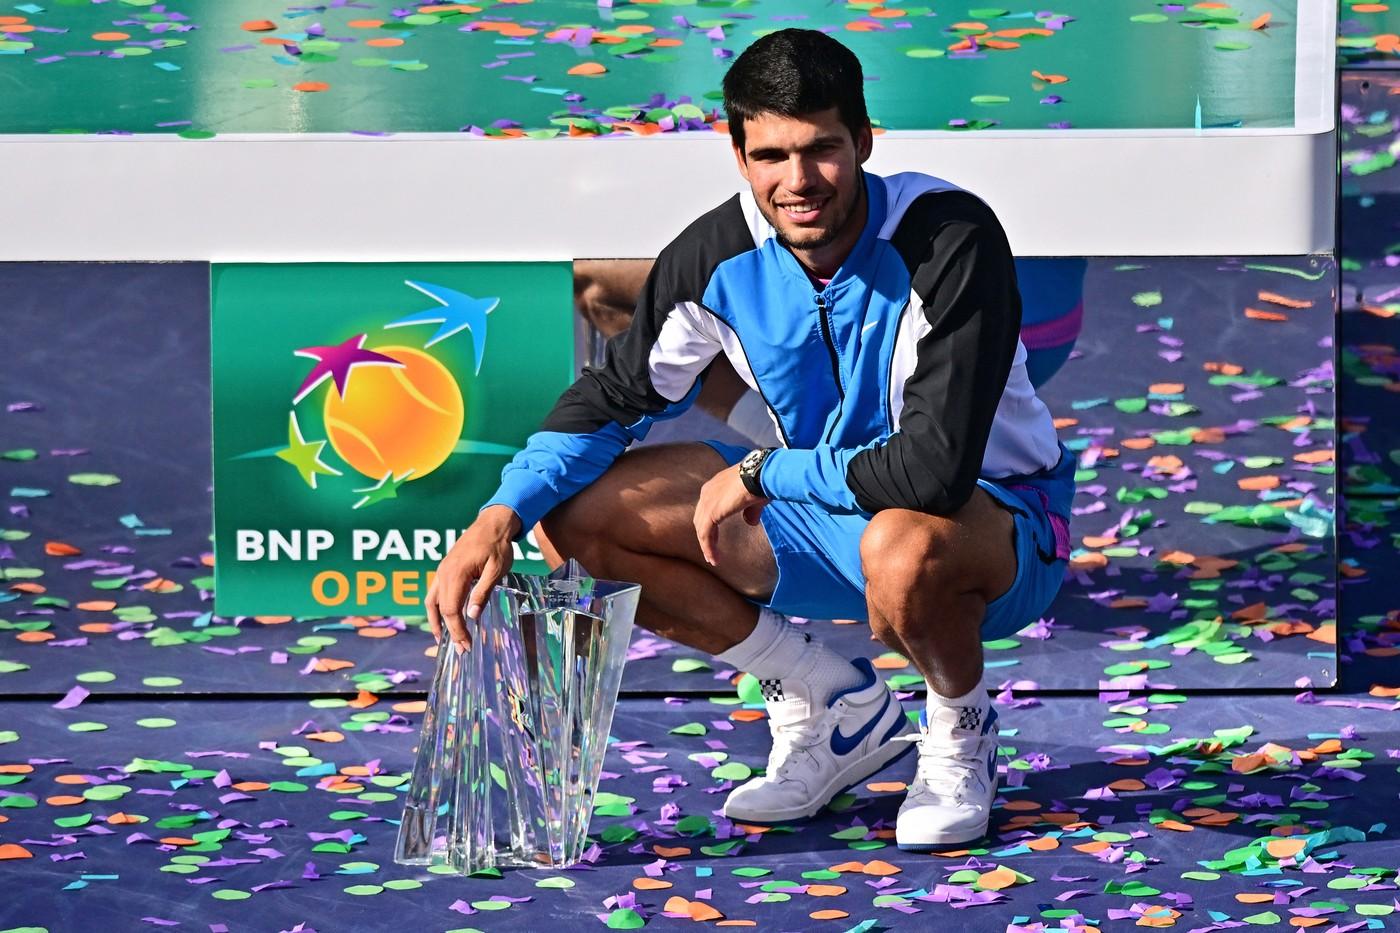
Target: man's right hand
point(476, 562)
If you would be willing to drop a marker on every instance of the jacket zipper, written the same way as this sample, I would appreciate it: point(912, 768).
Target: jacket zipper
point(822, 316)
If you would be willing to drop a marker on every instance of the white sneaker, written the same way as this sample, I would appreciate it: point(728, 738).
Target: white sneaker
point(950, 799)
point(818, 753)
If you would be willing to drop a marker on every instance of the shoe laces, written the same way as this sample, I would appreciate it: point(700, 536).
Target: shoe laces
point(947, 770)
point(788, 739)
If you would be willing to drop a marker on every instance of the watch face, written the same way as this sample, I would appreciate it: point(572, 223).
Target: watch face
point(750, 461)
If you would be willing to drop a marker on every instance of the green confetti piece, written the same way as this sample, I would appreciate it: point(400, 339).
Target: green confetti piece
point(989, 100)
point(364, 889)
point(557, 884)
point(7, 736)
point(732, 771)
point(94, 479)
point(1148, 18)
point(752, 872)
point(155, 722)
point(1201, 875)
point(161, 681)
point(1268, 918)
point(231, 894)
point(12, 667)
point(690, 728)
point(625, 918)
point(694, 825)
point(924, 52)
point(1232, 45)
point(491, 905)
point(750, 690)
point(689, 665)
point(87, 727)
point(19, 455)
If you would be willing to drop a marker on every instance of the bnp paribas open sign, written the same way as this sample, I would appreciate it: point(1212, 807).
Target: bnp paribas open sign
point(362, 415)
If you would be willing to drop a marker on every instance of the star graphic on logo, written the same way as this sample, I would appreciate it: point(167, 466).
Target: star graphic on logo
point(458, 312)
point(336, 362)
point(386, 488)
point(305, 457)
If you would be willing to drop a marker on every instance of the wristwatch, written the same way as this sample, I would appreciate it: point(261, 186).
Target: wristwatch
point(749, 469)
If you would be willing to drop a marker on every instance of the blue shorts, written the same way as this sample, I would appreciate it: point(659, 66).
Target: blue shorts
point(818, 553)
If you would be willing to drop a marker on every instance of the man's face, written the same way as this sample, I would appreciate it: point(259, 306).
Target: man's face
point(805, 175)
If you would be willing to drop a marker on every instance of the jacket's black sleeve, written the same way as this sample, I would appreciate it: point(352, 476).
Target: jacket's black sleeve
point(964, 275)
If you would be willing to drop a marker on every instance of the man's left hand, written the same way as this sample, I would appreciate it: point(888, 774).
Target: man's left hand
point(723, 496)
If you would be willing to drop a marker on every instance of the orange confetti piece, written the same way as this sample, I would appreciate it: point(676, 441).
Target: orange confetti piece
point(63, 800)
point(326, 736)
point(386, 42)
point(160, 585)
point(259, 25)
point(363, 699)
point(1284, 848)
point(250, 786)
point(110, 36)
point(1099, 540)
point(978, 27)
point(177, 841)
point(889, 663)
point(847, 866)
point(1178, 557)
point(650, 884)
point(636, 29)
point(588, 69)
point(96, 628)
point(34, 638)
point(748, 715)
point(12, 20)
point(411, 706)
point(330, 665)
point(1089, 848)
point(886, 787)
point(1257, 315)
point(997, 879)
point(1260, 21)
point(1225, 369)
point(1275, 299)
point(1166, 463)
point(71, 779)
point(880, 869)
point(1088, 562)
point(272, 620)
point(35, 589)
point(1177, 826)
point(1001, 44)
point(1017, 805)
point(862, 25)
point(1062, 423)
point(671, 851)
point(29, 769)
point(1315, 456)
point(666, 43)
point(60, 549)
point(829, 914)
point(1370, 8)
point(886, 13)
point(1135, 443)
point(1327, 634)
point(125, 819)
point(10, 850)
point(376, 631)
point(825, 890)
point(311, 87)
point(1258, 483)
point(1254, 897)
point(97, 605)
point(1376, 691)
point(1128, 784)
point(365, 23)
point(1043, 844)
point(1049, 79)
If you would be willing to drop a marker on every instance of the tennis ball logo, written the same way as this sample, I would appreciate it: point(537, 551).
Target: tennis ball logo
point(392, 413)
point(400, 420)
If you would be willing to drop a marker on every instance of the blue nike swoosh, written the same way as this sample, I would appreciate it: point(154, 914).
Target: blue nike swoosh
point(843, 744)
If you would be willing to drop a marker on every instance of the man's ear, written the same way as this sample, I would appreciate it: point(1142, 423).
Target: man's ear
point(865, 142)
point(740, 160)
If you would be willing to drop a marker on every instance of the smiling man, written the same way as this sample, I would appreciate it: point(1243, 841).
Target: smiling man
point(920, 484)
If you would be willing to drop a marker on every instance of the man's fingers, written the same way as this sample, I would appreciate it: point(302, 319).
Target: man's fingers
point(489, 575)
point(431, 608)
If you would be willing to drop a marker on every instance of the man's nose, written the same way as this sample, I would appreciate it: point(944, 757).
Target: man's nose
point(800, 173)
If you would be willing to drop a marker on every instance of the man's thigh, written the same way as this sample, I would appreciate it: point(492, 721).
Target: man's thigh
point(646, 502)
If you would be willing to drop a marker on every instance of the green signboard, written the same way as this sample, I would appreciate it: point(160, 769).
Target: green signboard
point(362, 414)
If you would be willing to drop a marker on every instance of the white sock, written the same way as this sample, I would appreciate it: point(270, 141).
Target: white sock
point(972, 708)
point(778, 650)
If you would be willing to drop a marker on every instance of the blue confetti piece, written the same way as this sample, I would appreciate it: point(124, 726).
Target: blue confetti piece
point(167, 66)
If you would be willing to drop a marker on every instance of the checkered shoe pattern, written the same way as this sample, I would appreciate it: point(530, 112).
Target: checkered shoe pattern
point(772, 690)
point(969, 718)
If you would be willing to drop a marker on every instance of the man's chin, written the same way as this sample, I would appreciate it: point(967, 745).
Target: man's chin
point(805, 238)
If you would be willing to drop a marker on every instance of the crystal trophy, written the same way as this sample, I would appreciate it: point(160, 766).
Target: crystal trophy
point(516, 728)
